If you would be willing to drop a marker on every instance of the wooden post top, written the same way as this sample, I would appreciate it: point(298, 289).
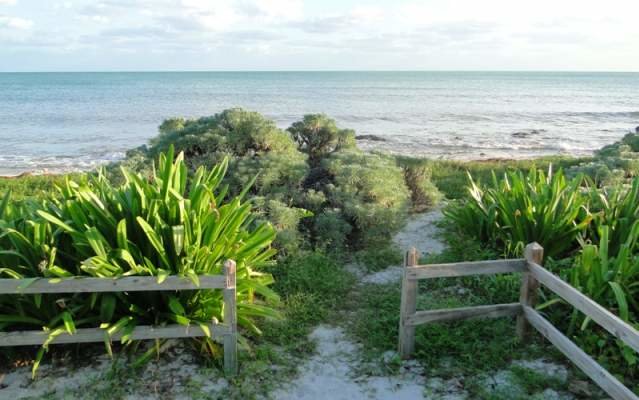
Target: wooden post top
point(412, 257)
point(229, 272)
point(534, 253)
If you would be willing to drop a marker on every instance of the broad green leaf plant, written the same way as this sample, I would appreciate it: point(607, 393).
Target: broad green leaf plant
point(172, 223)
point(520, 209)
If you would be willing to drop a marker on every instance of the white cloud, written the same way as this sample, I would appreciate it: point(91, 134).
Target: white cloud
point(15, 23)
point(428, 33)
point(7, 2)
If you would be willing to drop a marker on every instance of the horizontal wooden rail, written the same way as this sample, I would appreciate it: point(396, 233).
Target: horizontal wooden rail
point(91, 335)
point(452, 314)
point(465, 269)
point(226, 332)
point(603, 378)
point(94, 285)
point(583, 303)
point(533, 275)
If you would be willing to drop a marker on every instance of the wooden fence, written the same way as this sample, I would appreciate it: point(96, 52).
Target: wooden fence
point(533, 274)
point(226, 331)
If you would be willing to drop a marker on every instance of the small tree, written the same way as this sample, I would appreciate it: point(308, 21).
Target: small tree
point(318, 135)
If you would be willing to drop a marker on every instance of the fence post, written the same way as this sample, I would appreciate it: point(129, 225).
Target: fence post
point(230, 319)
point(529, 285)
point(408, 307)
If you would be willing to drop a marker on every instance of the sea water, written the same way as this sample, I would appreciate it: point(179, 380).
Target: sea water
point(70, 121)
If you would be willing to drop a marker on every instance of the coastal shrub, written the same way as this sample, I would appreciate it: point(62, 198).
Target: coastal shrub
point(370, 190)
point(417, 175)
point(519, 209)
point(318, 135)
point(602, 173)
point(260, 155)
point(331, 231)
point(175, 223)
point(313, 166)
point(614, 163)
point(285, 219)
point(254, 144)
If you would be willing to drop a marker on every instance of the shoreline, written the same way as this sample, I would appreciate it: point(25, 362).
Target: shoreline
point(460, 157)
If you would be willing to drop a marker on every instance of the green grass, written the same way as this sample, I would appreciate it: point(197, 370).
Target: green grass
point(38, 186)
point(314, 288)
point(451, 177)
point(377, 258)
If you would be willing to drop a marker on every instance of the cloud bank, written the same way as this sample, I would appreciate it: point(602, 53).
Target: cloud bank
point(329, 34)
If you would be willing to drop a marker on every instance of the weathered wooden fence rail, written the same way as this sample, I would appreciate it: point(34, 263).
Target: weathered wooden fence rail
point(533, 275)
point(225, 331)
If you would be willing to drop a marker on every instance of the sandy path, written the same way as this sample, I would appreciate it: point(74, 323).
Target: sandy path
point(420, 232)
point(329, 374)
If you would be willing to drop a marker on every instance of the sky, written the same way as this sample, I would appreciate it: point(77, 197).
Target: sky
point(132, 35)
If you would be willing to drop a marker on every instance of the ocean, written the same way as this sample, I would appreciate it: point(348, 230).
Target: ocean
point(76, 121)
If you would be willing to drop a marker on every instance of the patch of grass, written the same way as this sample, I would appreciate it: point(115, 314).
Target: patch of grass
point(533, 381)
point(37, 186)
point(451, 177)
point(312, 273)
point(466, 347)
point(378, 258)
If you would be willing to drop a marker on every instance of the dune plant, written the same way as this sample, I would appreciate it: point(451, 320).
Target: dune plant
point(616, 208)
point(174, 223)
point(318, 135)
point(610, 279)
point(520, 208)
point(370, 191)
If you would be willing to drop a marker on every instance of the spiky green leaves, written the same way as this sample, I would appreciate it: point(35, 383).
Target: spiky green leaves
point(171, 224)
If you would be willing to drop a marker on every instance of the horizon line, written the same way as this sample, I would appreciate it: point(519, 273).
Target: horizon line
point(316, 71)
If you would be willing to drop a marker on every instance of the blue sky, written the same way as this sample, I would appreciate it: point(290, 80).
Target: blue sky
point(38, 35)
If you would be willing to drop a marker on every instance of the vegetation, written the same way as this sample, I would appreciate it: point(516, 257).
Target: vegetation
point(313, 184)
point(520, 209)
point(613, 164)
point(241, 183)
point(589, 231)
point(173, 224)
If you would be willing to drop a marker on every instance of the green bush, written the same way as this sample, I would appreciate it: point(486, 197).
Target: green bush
point(317, 135)
point(313, 166)
point(261, 156)
point(600, 172)
point(614, 163)
point(286, 220)
point(370, 190)
point(417, 175)
point(520, 209)
point(255, 146)
point(173, 224)
point(331, 231)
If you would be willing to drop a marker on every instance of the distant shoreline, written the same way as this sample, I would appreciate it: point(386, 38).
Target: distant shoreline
point(7, 174)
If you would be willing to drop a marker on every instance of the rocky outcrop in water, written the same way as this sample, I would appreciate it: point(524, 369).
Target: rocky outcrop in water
point(373, 138)
point(528, 132)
